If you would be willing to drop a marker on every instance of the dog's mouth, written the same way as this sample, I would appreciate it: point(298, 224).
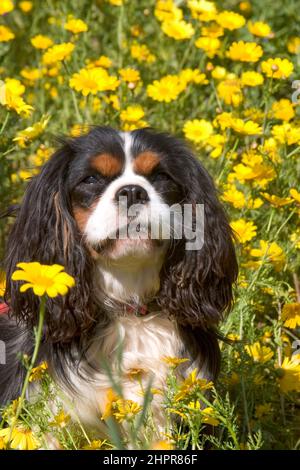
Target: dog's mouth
point(123, 243)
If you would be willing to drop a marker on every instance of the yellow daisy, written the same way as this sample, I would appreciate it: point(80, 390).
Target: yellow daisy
point(245, 51)
point(19, 438)
point(43, 279)
point(277, 68)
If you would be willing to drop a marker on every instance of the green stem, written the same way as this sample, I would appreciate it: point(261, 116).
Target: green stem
point(120, 35)
point(4, 123)
point(74, 99)
point(38, 339)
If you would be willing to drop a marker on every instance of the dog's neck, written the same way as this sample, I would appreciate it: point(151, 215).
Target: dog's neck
point(128, 279)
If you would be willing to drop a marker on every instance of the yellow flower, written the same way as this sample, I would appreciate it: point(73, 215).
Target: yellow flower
point(20, 438)
point(132, 113)
point(230, 20)
point(246, 128)
point(252, 169)
point(129, 75)
point(208, 416)
point(110, 404)
point(215, 144)
point(244, 230)
point(234, 197)
point(166, 89)
point(260, 29)
point(126, 410)
point(75, 25)
point(32, 75)
point(291, 315)
point(6, 34)
point(116, 3)
point(289, 379)
point(38, 372)
point(283, 109)
point(6, 6)
point(79, 129)
point(277, 201)
point(202, 10)
point(131, 126)
point(178, 29)
point(263, 410)
point(97, 444)
point(93, 81)
point(43, 279)
point(166, 10)
point(162, 445)
point(277, 68)
point(295, 238)
point(198, 130)
point(254, 114)
point(102, 61)
point(10, 96)
point(286, 134)
point(293, 45)
point(26, 6)
point(245, 51)
point(259, 353)
point(2, 284)
point(61, 420)
point(233, 337)
point(32, 132)
point(113, 100)
point(58, 53)
point(41, 42)
point(191, 385)
point(193, 75)
point(174, 361)
point(141, 53)
point(271, 252)
point(230, 91)
point(252, 78)
point(213, 30)
point(295, 194)
point(209, 45)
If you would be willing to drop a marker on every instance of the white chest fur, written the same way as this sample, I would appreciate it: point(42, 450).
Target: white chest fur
point(144, 342)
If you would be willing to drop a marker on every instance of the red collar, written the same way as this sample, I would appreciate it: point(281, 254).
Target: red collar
point(141, 310)
point(4, 308)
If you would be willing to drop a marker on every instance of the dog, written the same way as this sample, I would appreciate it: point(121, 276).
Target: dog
point(151, 297)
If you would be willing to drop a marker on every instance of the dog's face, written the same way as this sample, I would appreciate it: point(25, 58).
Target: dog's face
point(70, 215)
point(121, 184)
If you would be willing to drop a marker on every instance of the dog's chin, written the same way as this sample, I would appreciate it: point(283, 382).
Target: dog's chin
point(115, 249)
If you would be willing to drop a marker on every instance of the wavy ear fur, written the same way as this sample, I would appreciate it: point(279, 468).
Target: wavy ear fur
point(197, 285)
point(45, 231)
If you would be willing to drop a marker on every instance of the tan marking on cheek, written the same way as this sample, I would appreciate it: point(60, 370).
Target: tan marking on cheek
point(145, 163)
point(106, 164)
point(81, 217)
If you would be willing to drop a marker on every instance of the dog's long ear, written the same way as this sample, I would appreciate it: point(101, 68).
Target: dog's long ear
point(45, 231)
point(197, 284)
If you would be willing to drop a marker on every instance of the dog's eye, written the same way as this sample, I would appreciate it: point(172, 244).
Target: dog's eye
point(159, 176)
point(90, 180)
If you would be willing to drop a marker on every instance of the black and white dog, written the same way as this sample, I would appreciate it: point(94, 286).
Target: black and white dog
point(153, 295)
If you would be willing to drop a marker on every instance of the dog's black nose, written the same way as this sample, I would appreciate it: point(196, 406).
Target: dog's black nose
point(135, 194)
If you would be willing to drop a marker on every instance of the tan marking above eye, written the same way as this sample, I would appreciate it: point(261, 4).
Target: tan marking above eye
point(106, 164)
point(145, 163)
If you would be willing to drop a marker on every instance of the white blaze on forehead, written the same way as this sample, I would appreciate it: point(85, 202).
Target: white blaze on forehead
point(128, 142)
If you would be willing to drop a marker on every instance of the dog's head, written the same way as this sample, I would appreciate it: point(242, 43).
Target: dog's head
point(116, 198)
